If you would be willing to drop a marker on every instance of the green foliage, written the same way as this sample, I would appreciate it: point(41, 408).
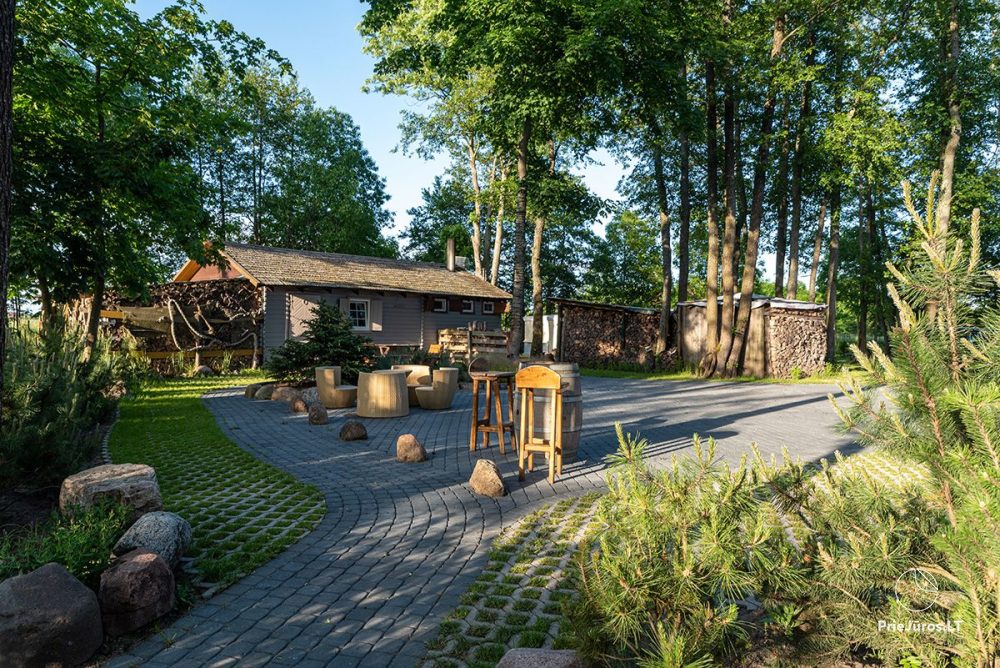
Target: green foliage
point(329, 341)
point(54, 398)
point(81, 541)
point(627, 268)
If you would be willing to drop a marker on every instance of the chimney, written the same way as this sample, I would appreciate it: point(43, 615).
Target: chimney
point(450, 257)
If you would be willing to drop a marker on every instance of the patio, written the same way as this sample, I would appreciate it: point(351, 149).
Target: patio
point(400, 543)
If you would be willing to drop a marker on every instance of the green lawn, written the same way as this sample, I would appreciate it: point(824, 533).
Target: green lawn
point(839, 375)
point(242, 511)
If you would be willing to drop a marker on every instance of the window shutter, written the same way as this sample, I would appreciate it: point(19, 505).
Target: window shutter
point(376, 315)
point(343, 303)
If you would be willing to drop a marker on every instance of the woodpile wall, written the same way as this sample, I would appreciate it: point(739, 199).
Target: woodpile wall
point(602, 336)
point(796, 339)
point(210, 321)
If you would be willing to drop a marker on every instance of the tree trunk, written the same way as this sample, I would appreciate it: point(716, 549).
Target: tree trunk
point(877, 265)
point(742, 210)
point(951, 90)
point(537, 322)
point(817, 250)
point(685, 204)
point(100, 254)
point(662, 336)
point(864, 266)
point(729, 239)
point(515, 343)
point(798, 162)
point(498, 237)
point(6, 167)
point(733, 361)
point(707, 367)
point(781, 192)
point(477, 217)
point(831, 276)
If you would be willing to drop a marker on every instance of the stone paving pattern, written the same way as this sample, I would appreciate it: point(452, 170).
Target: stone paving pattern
point(401, 542)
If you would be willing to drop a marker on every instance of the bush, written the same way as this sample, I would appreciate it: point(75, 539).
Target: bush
point(81, 542)
point(54, 398)
point(329, 341)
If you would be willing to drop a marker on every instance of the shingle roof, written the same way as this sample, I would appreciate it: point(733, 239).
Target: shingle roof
point(284, 266)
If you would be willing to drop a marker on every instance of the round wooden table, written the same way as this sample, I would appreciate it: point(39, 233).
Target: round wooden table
point(383, 394)
point(493, 381)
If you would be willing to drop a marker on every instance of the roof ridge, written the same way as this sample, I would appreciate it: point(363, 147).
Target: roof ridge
point(328, 254)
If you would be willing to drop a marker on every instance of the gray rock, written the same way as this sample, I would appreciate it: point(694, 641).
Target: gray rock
point(138, 589)
point(48, 617)
point(409, 449)
point(353, 431)
point(251, 390)
point(204, 370)
point(264, 391)
point(318, 414)
point(311, 395)
point(131, 484)
point(299, 405)
point(541, 658)
point(487, 480)
point(286, 394)
point(166, 534)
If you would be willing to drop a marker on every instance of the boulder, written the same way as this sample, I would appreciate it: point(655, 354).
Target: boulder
point(318, 414)
point(138, 589)
point(264, 391)
point(409, 449)
point(251, 390)
point(353, 431)
point(286, 394)
point(541, 658)
point(48, 617)
point(204, 370)
point(299, 405)
point(487, 480)
point(131, 484)
point(311, 395)
point(166, 534)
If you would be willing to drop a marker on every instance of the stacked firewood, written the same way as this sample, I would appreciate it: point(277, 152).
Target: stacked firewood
point(796, 340)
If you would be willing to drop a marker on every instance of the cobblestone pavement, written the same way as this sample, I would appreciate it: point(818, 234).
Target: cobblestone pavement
point(401, 542)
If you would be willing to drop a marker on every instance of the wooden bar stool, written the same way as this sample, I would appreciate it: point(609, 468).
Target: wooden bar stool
point(493, 381)
point(530, 380)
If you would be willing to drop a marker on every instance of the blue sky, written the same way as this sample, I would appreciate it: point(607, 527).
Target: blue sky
point(320, 39)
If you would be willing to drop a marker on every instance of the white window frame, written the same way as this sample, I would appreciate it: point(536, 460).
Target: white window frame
point(368, 314)
point(471, 308)
point(440, 309)
point(489, 308)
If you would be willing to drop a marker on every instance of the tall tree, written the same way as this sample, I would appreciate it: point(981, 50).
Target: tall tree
point(6, 166)
point(953, 133)
point(708, 363)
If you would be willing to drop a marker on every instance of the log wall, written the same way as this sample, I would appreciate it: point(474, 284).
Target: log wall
point(796, 339)
point(606, 336)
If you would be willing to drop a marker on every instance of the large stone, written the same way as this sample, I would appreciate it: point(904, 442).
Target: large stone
point(299, 406)
point(286, 394)
point(166, 534)
point(48, 618)
point(138, 589)
point(353, 431)
point(318, 414)
point(264, 391)
point(541, 658)
point(409, 449)
point(251, 390)
point(131, 484)
point(487, 480)
point(204, 370)
point(311, 395)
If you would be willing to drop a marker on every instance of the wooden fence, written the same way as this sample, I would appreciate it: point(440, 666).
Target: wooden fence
point(461, 344)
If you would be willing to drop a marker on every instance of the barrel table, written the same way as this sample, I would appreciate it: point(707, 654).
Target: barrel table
point(383, 394)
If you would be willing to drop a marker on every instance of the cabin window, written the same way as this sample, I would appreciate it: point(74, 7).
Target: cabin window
point(357, 314)
point(440, 305)
point(468, 306)
point(489, 308)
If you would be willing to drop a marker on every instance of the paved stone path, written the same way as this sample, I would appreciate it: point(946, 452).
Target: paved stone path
point(401, 542)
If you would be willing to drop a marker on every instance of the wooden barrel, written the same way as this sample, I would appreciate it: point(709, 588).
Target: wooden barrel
point(572, 422)
point(570, 372)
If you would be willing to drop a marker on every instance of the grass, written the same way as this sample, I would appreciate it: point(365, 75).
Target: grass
point(242, 511)
point(518, 602)
point(826, 378)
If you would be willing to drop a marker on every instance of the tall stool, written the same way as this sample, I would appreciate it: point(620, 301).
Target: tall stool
point(530, 380)
point(493, 381)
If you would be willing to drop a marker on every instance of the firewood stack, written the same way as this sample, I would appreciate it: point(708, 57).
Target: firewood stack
point(796, 339)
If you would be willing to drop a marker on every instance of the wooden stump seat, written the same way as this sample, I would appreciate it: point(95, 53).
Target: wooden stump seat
point(332, 393)
point(419, 376)
point(441, 393)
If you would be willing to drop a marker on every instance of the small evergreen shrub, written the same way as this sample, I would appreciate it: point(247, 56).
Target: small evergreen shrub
point(80, 541)
point(328, 341)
